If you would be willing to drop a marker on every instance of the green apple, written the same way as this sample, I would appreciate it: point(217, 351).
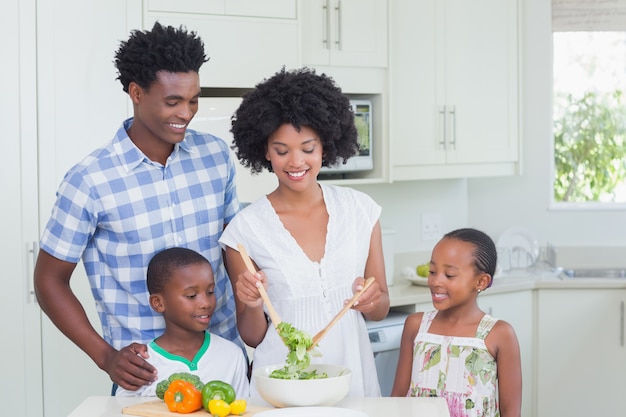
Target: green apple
point(423, 270)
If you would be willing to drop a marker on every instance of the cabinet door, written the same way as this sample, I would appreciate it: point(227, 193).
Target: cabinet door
point(285, 9)
point(415, 84)
point(186, 6)
point(21, 384)
point(481, 76)
point(258, 8)
point(581, 357)
point(343, 32)
point(516, 308)
point(454, 93)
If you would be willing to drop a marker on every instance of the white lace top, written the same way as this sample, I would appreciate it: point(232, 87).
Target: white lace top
point(309, 294)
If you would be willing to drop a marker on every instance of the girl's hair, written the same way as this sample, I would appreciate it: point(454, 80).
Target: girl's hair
point(164, 48)
point(163, 265)
point(300, 98)
point(485, 253)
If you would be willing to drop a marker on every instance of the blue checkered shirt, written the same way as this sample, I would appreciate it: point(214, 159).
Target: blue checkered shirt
point(117, 208)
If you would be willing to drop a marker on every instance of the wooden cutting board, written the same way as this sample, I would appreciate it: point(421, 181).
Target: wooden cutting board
point(158, 408)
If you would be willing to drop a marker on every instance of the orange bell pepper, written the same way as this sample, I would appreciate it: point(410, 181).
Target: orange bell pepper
point(182, 397)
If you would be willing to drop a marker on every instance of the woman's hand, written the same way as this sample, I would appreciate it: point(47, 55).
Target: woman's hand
point(247, 290)
point(369, 300)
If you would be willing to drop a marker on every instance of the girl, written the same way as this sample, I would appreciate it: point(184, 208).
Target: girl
point(313, 243)
point(457, 351)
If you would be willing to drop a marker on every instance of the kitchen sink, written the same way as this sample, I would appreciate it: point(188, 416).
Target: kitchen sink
point(594, 273)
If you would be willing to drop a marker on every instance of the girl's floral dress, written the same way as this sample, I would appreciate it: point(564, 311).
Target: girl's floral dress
point(460, 369)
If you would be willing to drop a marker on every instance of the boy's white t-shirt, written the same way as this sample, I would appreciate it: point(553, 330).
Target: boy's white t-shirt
point(217, 359)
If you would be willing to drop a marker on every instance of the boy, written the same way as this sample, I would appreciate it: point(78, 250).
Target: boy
point(182, 289)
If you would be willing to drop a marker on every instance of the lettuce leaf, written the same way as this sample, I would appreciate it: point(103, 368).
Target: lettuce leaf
point(298, 358)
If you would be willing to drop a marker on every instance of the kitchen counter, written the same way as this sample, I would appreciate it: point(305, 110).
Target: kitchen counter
point(404, 293)
point(107, 406)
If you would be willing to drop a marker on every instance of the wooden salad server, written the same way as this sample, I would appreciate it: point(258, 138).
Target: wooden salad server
point(270, 308)
point(343, 311)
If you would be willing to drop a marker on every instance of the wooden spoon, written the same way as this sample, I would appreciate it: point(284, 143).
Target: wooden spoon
point(343, 311)
point(270, 308)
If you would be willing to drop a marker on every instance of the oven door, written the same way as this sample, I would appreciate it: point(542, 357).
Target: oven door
point(385, 337)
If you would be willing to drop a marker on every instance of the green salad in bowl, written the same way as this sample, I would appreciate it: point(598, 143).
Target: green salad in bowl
point(298, 358)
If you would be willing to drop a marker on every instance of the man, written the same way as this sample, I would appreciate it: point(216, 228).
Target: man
point(155, 185)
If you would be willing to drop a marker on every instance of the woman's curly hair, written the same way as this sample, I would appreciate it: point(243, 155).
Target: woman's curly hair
point(300, 98)
point(164, 48)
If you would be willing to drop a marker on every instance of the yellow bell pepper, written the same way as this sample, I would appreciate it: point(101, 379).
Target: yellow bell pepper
point(219, 408)
point(238, 407)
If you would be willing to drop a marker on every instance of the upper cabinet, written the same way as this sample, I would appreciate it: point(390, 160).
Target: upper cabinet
point(454, 88)
point(343, 32)
point(285, 9)
point(246, 40)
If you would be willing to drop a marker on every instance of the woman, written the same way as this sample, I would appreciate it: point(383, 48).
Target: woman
point(312, 243)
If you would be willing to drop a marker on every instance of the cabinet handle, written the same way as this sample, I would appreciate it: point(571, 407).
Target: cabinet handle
point(453, 126)
point(442, 113)
point(32, 256)
point(326, 8)
point(621, 324)
point(338, 9)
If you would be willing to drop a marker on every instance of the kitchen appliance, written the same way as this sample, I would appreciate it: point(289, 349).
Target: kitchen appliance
point(364, 160)
point(385, 337)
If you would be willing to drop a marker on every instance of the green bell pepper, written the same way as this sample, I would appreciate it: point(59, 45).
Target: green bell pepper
point(217, 390)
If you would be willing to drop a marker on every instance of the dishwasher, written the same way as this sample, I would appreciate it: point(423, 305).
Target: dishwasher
point(385, 336)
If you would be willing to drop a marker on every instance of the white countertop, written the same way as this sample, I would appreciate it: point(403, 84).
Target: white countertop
point(404, 293)
point(107, 406)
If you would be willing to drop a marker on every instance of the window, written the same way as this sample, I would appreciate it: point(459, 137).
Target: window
point(589, 113)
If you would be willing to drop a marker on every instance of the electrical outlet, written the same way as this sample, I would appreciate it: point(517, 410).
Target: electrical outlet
point(431, 226)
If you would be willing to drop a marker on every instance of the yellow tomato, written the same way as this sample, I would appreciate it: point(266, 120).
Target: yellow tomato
point(219, 408)
point(238, 407)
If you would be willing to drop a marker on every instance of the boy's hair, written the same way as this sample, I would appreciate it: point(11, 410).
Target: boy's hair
point(485, 253)
point(163, 265)
point(164, 48)
point(300, 98)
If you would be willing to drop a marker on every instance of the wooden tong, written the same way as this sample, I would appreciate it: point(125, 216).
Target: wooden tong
point(343, 311)
point(270, 308)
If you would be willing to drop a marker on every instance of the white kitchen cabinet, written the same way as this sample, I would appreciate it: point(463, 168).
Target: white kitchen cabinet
point(516, 308)
point(21, 391)
point(285, 9)
point(454, 93)
point(581, 352)
point(350, 33)
point(242, 50)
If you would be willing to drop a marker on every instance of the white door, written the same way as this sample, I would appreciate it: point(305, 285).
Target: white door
point(81, 105)
point(20, 362)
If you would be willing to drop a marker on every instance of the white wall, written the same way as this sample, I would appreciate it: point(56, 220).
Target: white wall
point(403, 204)
point(495, 204)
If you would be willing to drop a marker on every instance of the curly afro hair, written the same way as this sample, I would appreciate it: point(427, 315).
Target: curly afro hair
point(163, 265)
point(300, 98)
point(164, 48)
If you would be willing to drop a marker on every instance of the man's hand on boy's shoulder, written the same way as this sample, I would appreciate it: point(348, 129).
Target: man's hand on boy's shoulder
point(128, 367)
